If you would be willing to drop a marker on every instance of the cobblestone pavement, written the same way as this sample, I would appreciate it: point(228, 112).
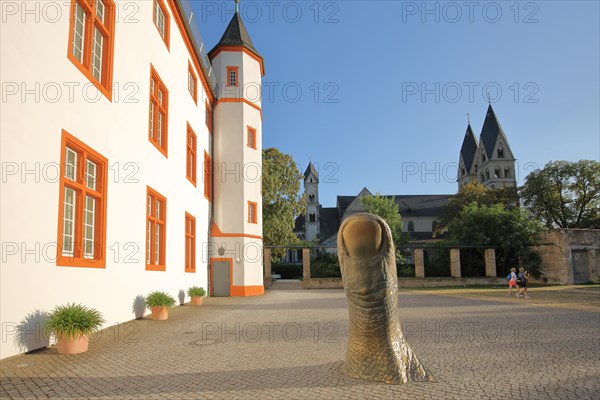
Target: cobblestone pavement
point(291, 344)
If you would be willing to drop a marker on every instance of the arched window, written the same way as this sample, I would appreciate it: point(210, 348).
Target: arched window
point(487, 174)
point(507, 172)
point(500, 151)
point(411, 226)
point(312, 218)
point(497, 173)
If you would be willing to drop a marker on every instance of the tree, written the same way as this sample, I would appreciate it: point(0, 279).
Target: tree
point(474, 192)
point(511, 230)
point(386, 208)
point(564, 194)
point(282, 201)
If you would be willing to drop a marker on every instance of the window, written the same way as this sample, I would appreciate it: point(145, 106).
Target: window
point(192, 83)
point(252, 218)
point(82, 205)
point(207, 176)
point(463, 171)
point(160, 16)
point(497, 173)
point(501, 152)
point(91, 38)
point(507, 172)
point(156, 224)
point(208, 118)
point(487, 174)
point(159, 108)
point(190, 243)
point(251, 138)
point(312, 218)
point(232, 76)
point(191, 155)
point(483, 157)
point(411, 226)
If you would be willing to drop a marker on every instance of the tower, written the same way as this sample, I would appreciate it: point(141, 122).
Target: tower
point(489, 161)
point(311, 190)
point(235, 250)
point(467, 168)
point(497, 163)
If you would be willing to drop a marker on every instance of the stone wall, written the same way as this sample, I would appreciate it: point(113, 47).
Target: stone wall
point(569, 255)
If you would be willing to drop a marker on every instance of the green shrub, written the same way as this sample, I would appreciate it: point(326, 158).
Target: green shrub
point(159, 299)
point(325, 265)
point(288, 270)
point(196, 291)
point(73, 320)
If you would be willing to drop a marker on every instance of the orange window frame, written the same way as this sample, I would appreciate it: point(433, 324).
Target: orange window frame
point(237, 76)
point(163, 8)
point(252, 212)
point(192, 77)
point(153, 219)
point(207, 176)
point(155, 108)
point(208, 118)
point(190, 243)
point(106, 29)
point(251, 138)
point(190, 159)
point(84, 153)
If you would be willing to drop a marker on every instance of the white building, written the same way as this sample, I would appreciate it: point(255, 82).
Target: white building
point(109, 129)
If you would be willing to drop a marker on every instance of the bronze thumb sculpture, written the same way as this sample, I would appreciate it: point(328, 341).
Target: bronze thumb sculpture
point(377, 350)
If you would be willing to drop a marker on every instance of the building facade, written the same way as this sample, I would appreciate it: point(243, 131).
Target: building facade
point(131, 161)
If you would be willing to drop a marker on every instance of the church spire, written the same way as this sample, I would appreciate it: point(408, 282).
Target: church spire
point(236, 35)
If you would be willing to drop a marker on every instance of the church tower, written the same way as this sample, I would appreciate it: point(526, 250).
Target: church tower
point(311, 191)
point(236, 265)
point(467, 167)
point(496, 160)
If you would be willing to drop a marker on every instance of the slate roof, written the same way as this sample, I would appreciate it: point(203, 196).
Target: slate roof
point(329, 219)
point(236, 35)
point(300, 223)
point(469, 148)
point(490, 131)
point(421, 205)
point(309, 169)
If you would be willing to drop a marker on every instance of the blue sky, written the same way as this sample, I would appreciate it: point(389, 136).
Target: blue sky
point(386, 85)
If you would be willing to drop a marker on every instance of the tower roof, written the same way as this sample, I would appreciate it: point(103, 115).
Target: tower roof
point(311, 170)
point(469, 148)
point(490, 131)
point(236, 35)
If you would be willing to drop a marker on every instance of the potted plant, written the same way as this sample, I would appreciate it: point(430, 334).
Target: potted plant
point(160, 303)
point(196, 293)
point(72, 324)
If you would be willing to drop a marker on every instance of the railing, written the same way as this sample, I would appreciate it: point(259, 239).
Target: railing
point(417, 255)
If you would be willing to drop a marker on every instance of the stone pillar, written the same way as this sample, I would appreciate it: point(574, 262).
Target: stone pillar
point(306, 264)
point(419, 263)
point(267, 261)
point(490, 263)
point(455, 263)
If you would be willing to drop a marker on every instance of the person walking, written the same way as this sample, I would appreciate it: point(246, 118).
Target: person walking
point(512, 281)
point(522, 279)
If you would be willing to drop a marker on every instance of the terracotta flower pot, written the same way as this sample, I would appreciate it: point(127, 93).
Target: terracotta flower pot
point(72, 345)
point(196, 300)
point(160, 313)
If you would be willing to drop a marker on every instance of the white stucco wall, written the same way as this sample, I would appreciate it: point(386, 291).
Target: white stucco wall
point(30, 139)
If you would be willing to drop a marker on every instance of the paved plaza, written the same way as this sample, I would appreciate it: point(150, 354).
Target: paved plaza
point(291, 344)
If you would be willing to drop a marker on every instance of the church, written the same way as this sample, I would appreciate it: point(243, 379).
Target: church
point(489, 161)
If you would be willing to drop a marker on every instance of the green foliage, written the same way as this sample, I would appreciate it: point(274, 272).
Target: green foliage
point(565, 194)
point(325, 265)
point(282, 201)
point(288, 270)
point(196, 291)
point(437, 261)
point(386, 208)
point(73, 320)
point(160, 299)
point(475, 192)
point(512, 231)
